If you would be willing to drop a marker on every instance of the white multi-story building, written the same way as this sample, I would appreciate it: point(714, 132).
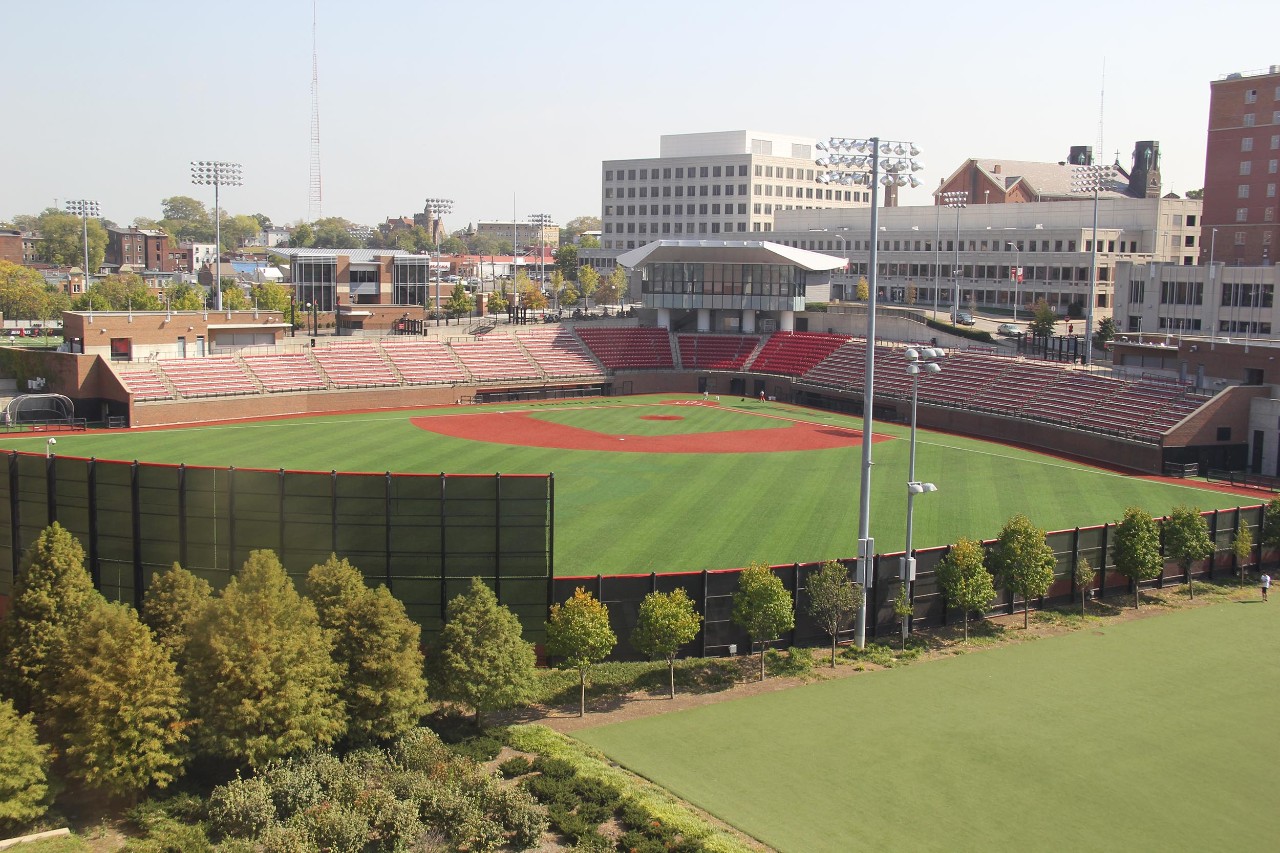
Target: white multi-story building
point(932, 255)
point(712, 186)
point(200, 253)
point(1223, 302)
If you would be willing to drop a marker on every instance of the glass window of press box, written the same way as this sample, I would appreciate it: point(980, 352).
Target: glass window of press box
point(726, 281)
point(314, 282)
point(410, 283)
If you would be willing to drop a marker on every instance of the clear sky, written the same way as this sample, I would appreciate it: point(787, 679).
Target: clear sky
point(507, 106)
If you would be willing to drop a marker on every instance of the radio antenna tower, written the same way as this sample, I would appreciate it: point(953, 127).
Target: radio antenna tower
point(1102, 103)
point(315, 192)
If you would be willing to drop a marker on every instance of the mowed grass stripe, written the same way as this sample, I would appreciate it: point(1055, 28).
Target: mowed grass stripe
point(1156, 734)
point(635, 512)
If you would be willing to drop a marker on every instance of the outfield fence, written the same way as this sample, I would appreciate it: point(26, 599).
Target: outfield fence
point(424, 536)
point(712, 591)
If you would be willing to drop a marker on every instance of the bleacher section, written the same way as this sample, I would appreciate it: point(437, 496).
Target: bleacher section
point(629, 348)
point(423, 362)
point(207, 377)
point(795, 353)
point(558, 353)
point(290, 371)
point(495, 358)
point(145, 384)
point(715, 352)
point(354, 366)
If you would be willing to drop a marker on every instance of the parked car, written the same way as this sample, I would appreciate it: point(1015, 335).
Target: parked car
point(963, 318)
point(1008, 330)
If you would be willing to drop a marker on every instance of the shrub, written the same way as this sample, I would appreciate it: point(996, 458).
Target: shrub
point(515, 766)
point(522, 818)
point(241, 809)
point(792, 662)
point(457, 811)
point(480, 749)
point(556, 768)
point(334, 827)
point(552, 790)
point(286, 838)
point(421, 750)
point(24, 789)
point(163, 834)
point(295, 786)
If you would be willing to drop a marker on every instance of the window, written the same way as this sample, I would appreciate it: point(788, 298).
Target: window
point(1191, 221)
point(608, 175)
point(631, 174)
point(1242, 191)
point(644, 174)
point(1249, 119)
point(1271, 190)
point(702, 190)
point(742, 189)
point(679, 173)
point(1271, 166)
point(1246, 167)
point(742, 211)
point(742, 172)
point(666, 174)
point(1269, 214)
point(1251, 96)
point(1246, 144)
point(1239, 241)
point(702, 171)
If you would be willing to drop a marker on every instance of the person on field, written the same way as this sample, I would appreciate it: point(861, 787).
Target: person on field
point(761, 396)
point(1266, 585)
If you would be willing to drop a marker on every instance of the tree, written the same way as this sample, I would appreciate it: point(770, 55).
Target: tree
point(579, 632)
point(834, 599)
point(186, 297)
point(762, 607)
point(1271, 524)
point(377, 646)
point(568, 295)
point(260, 675)
point(589, 241)
point(588, 282)
point(902, 608)
point(484, 661)
point(120, 292)
point(270, 296)
point(460, 302)
point(1085, 574)
point(171, 607)
point(965, 581)
point(186, 218)
point(62, 240)
point(666, 622)
point(567, 261)
point(118, 706)
point(24, 764)
point(22, 292)
point(618, 286)
point(498, 301)
point(1186, 539)
point(1043, 319)
point(1106, 331)
point(1242, 548)
point(234, 297)
point(1023, 561)
point(574, 228)
point(1135, 549)
point(49, 599)
point(864, 289)
point(302, 236)
point(239, 230)
point(453, 246)
point(531, 296)
point(1195, 194)
point(334, 232)
point(557, 285)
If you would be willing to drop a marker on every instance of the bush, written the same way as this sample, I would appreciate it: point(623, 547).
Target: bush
point(287, 838)
point(163, 834)
point(792, 662)
point(522, 818)
point(334, 827)
point(515, 766)
point(457, 811)
point(480, 749)
point(552, 790)
point(595, 791)
point(555, 768)
point(421, 750)
point(295, 786)
point(241, 809)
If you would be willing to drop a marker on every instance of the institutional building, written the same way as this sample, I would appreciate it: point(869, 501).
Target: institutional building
point(329, 277)
point(1242, 167)
point(711, 185)
point(141, 248)
point(1222, 302)
point(526, 234)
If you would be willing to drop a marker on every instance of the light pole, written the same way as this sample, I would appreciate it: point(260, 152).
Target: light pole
point(1017, 275)
point(864, 157)
point(844, 246)
point(219, 174)
point(541, 221)
point(436, 206)
point(956, 200)
point(84, 208)
point(48, 447)
point(918, 360)
point(1091, 179)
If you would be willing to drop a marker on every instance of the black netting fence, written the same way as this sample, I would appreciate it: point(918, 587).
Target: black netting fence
point(424, 536)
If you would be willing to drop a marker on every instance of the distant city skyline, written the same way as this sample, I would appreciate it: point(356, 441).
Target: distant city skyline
point(524, 101)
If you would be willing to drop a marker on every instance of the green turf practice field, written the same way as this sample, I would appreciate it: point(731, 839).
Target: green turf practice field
point(619, 512)
point(1157, 734)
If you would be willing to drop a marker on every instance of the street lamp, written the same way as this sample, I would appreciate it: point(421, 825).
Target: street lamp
point(541, 221)
point(957, 200)
point(1091, 179)
point(219, 174)
point(844, 245)
point(436, 206)
point(1017, 275)
point(922, 360)
point(863, 156)
point(84, 208)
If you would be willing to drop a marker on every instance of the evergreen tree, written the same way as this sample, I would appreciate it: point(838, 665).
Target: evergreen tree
point(834, 599)
point(1135, 549)
point(1186, 539)
point(965, 581)
point(50, 597)
point(24, 763)
point(377, 645)
point(762, 607)
point(579, 632)
point(665, 623)
point(484, 661)
point(1023, 561)
point(171, 607)
point(118, 706)
point(260, 677)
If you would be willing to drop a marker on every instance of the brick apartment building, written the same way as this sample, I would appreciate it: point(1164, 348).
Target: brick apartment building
point(139, 248)
point(11, 246)
point(1242, 168)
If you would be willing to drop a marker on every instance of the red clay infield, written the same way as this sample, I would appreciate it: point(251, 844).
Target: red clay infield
point(519, 428)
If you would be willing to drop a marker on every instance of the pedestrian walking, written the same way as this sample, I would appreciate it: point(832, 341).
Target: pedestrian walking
point(1266, 585)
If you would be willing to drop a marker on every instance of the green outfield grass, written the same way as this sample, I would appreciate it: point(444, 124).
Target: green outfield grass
point(631, 512)
point(1156, 734)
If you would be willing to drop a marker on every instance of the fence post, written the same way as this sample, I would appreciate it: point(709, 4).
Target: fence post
point(795, 602)
point(1102, 569)
point(95, 570)
point(705, 595)
point(51, 488)
point(1213, 537)
point(135, 507)
point(1075, 560)
point(1160, 580)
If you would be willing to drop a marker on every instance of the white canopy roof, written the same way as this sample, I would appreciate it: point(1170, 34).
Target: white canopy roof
point(728, 252)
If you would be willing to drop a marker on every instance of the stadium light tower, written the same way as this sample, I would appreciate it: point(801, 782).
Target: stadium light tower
point(84, 208)
point(436, 207)
point(955, 200)
point(541, 221)
point(919, 360)
point(1091, 179)
point(858, 162)
point(218, 174)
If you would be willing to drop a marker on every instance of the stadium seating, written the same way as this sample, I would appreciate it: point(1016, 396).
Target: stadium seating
point(794, 353)
point(145, 384)
point(288, 371)
point(423, 362)
point(558, 354)
point(715, 352)
point(207, 377)
point(495, 358)
point(354, 366)
point(628, 348)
